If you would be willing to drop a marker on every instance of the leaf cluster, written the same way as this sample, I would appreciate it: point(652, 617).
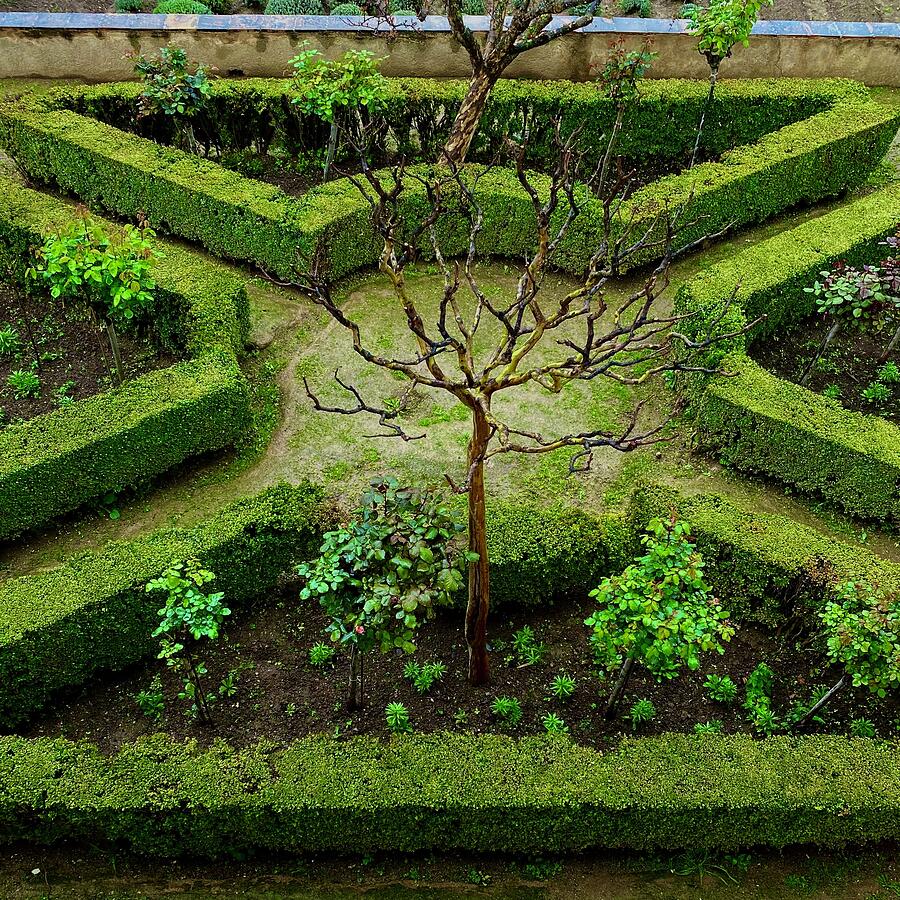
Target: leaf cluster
point(169, 87)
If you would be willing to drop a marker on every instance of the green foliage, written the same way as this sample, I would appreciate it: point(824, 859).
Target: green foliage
point(660, 610)
point(641, 8)
point(294, 8)
point(324, 88)
point(721, 25)
point(423, 678)
point(150, 701)
point(562, 687)
point(472, 7)
point(321, 654)
point(758, 702)
point(641, 712)
point(553, 724)
point(129, 6)
point(109, 270)
point(397, 718)
point(346, 9)
point(848, 293)
point(508, 710)
point(169, 87)
point(863, 728)
point(24, 383)
point(189, 616)
point(862, 633)
point(10, 341)
point(876, 393)
point(889, 373)
point(624, 69)
point(721, 688)
point(182, 8)
point(528, 649)
point(714, 726)
point(381, 574)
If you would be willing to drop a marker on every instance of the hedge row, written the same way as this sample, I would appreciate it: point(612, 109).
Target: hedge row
point(452, 792)
point(766, 566)
point(759, 423)
point(257, 113)
point(54, 463)
point(59, 627)
point(243, 219)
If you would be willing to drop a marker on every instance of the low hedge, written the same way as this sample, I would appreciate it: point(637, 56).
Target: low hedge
point(766, 566)
point(445, 792)
point(54, 463)
point(247, 220)
point(759, 423)
point(59, 627)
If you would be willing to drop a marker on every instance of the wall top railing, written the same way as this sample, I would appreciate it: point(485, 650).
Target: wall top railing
point(92, 46)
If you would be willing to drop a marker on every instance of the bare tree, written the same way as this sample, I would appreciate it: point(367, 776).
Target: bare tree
point(577, 337)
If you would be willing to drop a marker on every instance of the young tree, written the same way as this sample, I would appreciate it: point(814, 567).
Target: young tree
point(381, 574)
point(862, 633)
point(112, 272)
point(719, 27)
point(189, 616)
point(660, 611)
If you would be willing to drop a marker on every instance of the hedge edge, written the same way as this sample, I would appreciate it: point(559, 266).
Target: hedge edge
point(757, 422)
point(54, 463)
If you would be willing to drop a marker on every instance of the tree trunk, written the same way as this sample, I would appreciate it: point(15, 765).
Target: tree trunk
point(466, 122)
point(832, 334)
point(713, 75)
point(355, 686)
point(890, 347)
point(619, 689)
point(203, 714)
point(116, 352)
point(332, 149)
point(807, 716)
point(479, 570)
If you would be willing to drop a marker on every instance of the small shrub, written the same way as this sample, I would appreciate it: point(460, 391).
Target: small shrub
point(423, 678)
point(10, 341)
point(642, 711)
point(876, 393)
point(721, 688)
point(346, 9)
point(294, 8)
point(641, 8)
point(182, 8)
point(758, 702)
point(397, 718)
point(150, 701)
point(553, 724)
point(832, 392)
point(508, 710)
point(25, 384)
point(862, 728)
point(169, 87)
point(129, 6)
point(562, 687)
point(714, 726)
point(889, 373)
point(473, 7)
point(528, 649)
point(321, 654)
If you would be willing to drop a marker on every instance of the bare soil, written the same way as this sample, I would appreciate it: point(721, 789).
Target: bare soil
point(282, 696)
point(851, 364)
point(72, 354)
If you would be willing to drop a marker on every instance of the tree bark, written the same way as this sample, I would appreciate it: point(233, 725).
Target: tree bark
point(619, 689)
point(479, 570)
point(807, 716)
point(713, 75)
point(891, 346)
point(332, 149)
point(116, 352)
point(832, 334)
point(355, 686)
point(466, 122)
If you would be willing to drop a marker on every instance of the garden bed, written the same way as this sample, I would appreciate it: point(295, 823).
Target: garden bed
point(74, 361)
point(280, 695)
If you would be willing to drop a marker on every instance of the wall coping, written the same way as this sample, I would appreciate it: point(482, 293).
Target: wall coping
point(432, 24)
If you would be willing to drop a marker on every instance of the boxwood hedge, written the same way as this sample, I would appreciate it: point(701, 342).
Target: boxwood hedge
point(757, 422)
point(52, 464)
point(841, 140)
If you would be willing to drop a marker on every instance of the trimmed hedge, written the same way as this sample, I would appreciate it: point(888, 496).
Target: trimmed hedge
point(764, 565)
point(452, 792)
point(54, 463)
point(59, 627)
point(759, 423)
point(237, 217)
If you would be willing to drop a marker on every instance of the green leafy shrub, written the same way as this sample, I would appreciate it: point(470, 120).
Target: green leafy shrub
point(553, 724)
point(508, 710)
point(150, 701)
point(380, 575)
point(758, 702)
point(190, 616)
point(346, 9)
point(182, 8)
point(129, 6)
point(397, 717)
point(10, 341)
point(863, 728)
point(24, 383)
point(562, 687)
point(294, 8)
point(529, 650)
point(641, 712)
point(321, 654)
point(641, 8)
point(472, 7)
point(423, 678)
point(721, 688)
point(714, 726)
